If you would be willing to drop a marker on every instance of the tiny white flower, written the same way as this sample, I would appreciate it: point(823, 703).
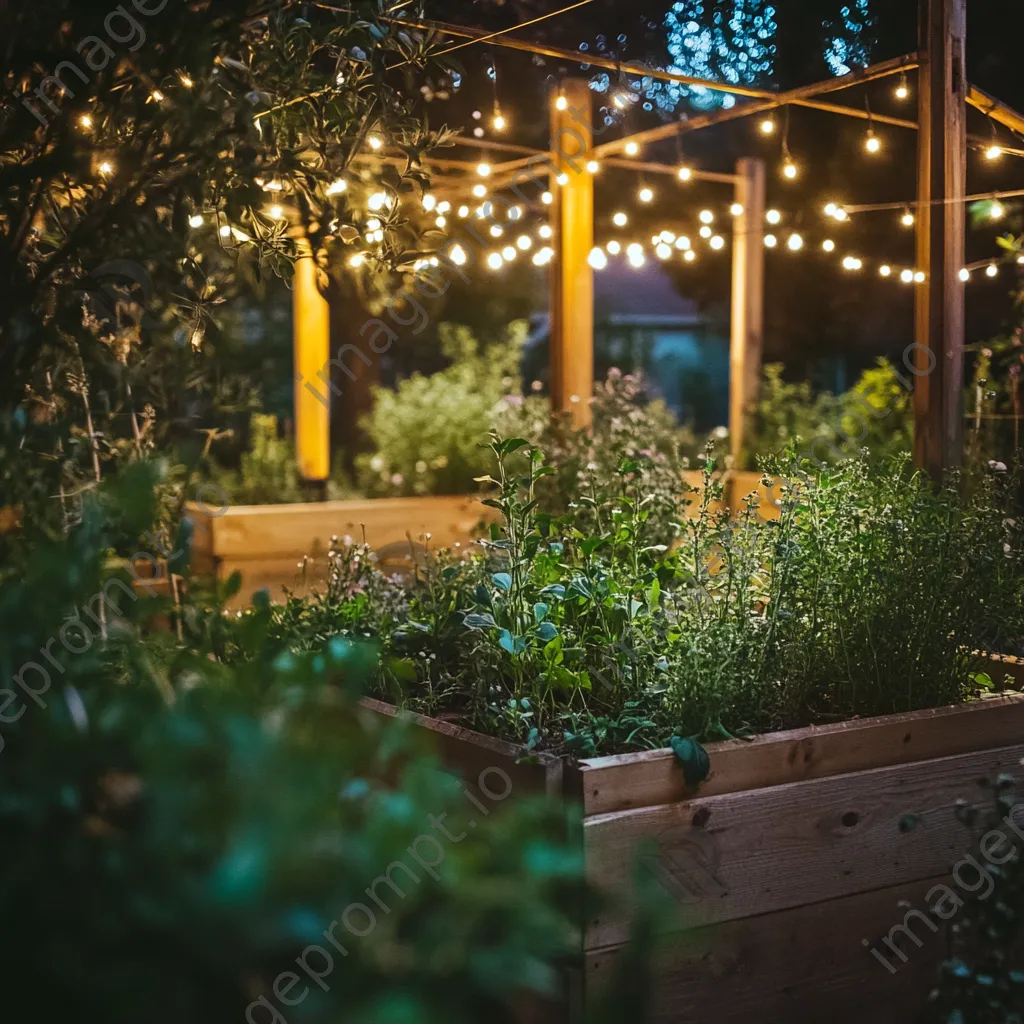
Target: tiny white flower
point(376, 463)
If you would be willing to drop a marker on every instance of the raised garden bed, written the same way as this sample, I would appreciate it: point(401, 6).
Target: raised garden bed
point(798, 846)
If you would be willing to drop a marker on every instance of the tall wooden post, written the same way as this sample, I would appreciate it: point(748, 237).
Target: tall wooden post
point(942, 178)
point(572, 277)
point(311, 337)
point(747, 331)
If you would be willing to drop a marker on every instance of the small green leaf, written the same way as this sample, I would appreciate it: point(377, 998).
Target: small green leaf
point(503, 581)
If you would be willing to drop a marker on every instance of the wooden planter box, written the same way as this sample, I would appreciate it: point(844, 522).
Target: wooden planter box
point(797, 847)
point(267, 543)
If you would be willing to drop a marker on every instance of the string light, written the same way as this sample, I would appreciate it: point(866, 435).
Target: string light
point(706, 217)
point(632, 149)
point(645, 195)
point(375, 142)
point(562, 179)
point(613, 247)
point(705, 231)
point(543, 256)
point(620, 220)
point(479, 191)
point(635, 255)
point(689, 255)
point(663, 251)
point(377, 201)
point(872, 143)
point(356, 260)
point(444, 206)
point(429, 202)
point(277, 213)
point(593, 167)
point(993, 152)
point(965, 274)
point(524, 242)
point(992, 270)
point(685, 173)
point(546, 198)
point(494, 261)
point(337, 186)
point(440, 220)
point(907, 220)
point(682, 242)
point(483, 169)
point(561, 103)
point(907, 276)
point(499, 123)
point(597, 258)
point(515, 213)
point(195, 221)
point(463, 211)
point(106, 168)
point(509, 253)
point(773, 217)
point(828, 245)
point(736, 209)
point(496, 231)
point(457, 255)
point(545, 231)
point(852, 263)
point(902, 90)
point(919, 276)
point(718, 242)
point(620, 99)
point(770, 241)
point(768, 126)
point(795, 243)
point(885, 270)
point(85, 121)
point(156, 96)
point(225, 231)
point(997, 211)
point(185, 80)
point(789, 170)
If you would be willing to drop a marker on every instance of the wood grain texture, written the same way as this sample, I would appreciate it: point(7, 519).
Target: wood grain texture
point(623, 781)
point(805, 964)
point(763, 850)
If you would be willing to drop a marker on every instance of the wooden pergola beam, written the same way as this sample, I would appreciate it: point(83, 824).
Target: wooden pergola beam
point(995, 109)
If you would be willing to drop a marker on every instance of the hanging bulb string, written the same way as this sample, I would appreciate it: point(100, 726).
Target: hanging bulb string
point(903, 204)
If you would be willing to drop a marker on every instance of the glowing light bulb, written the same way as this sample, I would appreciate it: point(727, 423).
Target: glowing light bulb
point(185, 80)
point(483, 169)
point(85, 121)
point(463, 211)
point(682, 242)
point(919, 276)
point(593, 167)
point(993, 152)
point(515, 212)
point(377, 201)
point(872, 143)
point(632, 149)
point(645, 195)
point(494, 261)
point(773, 217)
point(597, 259)
point(828, 245)
point(479, 191)
point(685, 173)
point(736, 209)
point(509, 253)
point(276, 212)
point(662, 251)
point(689, 255)
point(840, 214)
point(337, 186)
point(440, 220)
point(907, 220)
point(852, 263)
point(992, 270)
point(705, 231)
point(830, 210)
point(195, 221)
point(997, 211)
point(225, 231)
point(429, 202)
point(106, 168)
point(545, 231)
point(156, 96)
point(375, 142)
point(546, 198)
point(620, 99)
point(902, 90)
point(444, 207)
point(907, 276)
point(885, 270)
point(789, 170)
point(795, 243)
point(767, 126)
point(457, 255)
point(357, 259)
point(614, 248)
point(635, 255)
point(524, 242)
point(770, 241)
point(620, 220)
point(562, 179)
point(561, 103)
point(499, 123)
point(718, 242)
point(496, 231)
point(706, 217)
point(965, 275)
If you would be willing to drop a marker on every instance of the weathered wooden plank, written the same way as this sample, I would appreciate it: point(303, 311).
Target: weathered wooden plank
point(467, 753)
point(607, 784)
point(805, 964)
point(742, 854)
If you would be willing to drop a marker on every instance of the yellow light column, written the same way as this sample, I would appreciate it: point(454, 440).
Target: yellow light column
point(311, 336)
point(572, 277)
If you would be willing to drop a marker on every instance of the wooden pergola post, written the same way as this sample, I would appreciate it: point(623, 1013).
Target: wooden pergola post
point(942, 179)
point(572, 277)
point(747, 322)
point(311, 339)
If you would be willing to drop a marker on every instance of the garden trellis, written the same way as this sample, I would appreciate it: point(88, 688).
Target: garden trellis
point(936, 213)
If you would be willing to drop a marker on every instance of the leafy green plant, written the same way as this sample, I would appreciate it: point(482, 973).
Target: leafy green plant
point(426, 432)
point(268, 472)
